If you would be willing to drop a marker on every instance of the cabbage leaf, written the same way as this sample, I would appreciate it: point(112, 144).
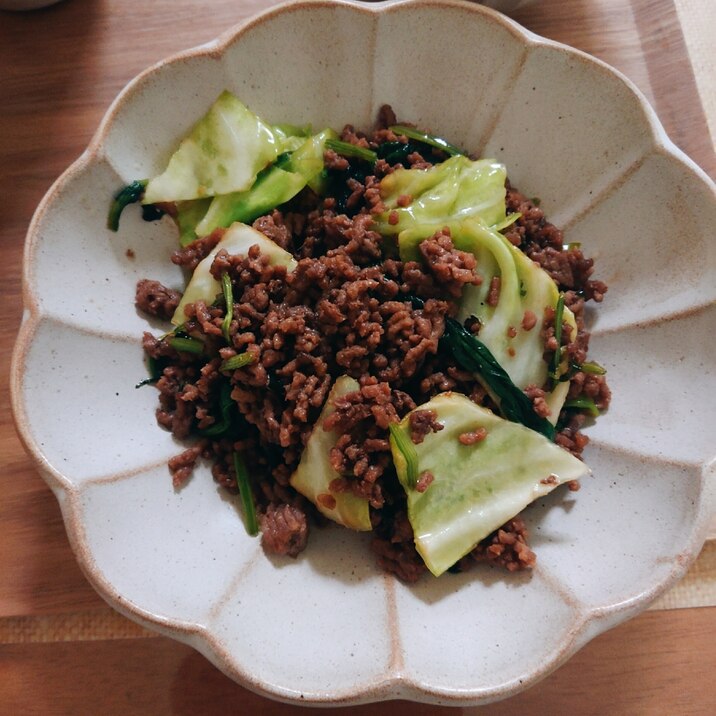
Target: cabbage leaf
point(237, 239)
point(222, 153)
point(314, 474)
point(274, 186)
point(451, 191)
point(475, 488)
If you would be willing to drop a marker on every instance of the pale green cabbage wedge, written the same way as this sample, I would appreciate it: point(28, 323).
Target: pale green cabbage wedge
point(314, 473)
point(274, 186)
point(223, 153)
point(451, 191)
point(237, 239)
point(476, 488)
point(189, 214)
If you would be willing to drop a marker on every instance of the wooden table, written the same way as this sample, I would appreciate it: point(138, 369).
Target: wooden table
point(62, 650)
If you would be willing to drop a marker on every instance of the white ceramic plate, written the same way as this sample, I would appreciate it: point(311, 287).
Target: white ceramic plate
point(329, 627)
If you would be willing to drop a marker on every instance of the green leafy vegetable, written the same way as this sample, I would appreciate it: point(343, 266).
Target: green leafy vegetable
point(476, 488)
point(247, 497)
point(583, 403)
point(593, 368)
point(186, 345)
point(512, 327)
point(131, 194)
point(189, 214)
point(229, 300)
point(240, 360)
point(404, 452)
point(222, 153)
point(226, 408)
point(314, 474)
point(473, 355)
point(448, 192)
point(347, 149)
point(274, 186)
point(425, 138)
point(155, 373)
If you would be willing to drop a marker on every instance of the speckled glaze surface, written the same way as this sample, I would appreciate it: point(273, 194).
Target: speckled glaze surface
point(571, 131)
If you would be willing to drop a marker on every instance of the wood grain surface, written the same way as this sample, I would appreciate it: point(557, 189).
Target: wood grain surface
point(62, 651)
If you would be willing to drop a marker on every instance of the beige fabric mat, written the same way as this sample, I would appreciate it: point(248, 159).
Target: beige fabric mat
point(698, 22)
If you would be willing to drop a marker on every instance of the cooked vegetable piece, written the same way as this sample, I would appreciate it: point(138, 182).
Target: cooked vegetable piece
point(451, 191)
point(425, 138)
point(227, 407)
point(189, 214)
point(314, 474)
point(130, 194)
point(583, 403)
point(404, 446)
point(185, 344)
point(274, 186)
point(347, 149)
point(247, 497)
point(228, 291)
point(222, 153)
point(476, 488)
point(240, 360)
point(523, 287)
point(237, 239)
point(510, 326)
point(473, 355)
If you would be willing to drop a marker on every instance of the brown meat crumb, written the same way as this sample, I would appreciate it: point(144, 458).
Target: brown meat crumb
point(422, 423)
point(529, 320)
point(284, 530)
point(425, 479)
point(475, 436)
point(156, 299)
point(493, 296)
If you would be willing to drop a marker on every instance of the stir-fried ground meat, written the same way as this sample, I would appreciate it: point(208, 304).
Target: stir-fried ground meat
point(349, 308)
point(156, 300)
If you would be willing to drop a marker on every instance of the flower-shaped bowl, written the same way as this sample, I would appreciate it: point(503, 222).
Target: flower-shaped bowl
point(329, 627)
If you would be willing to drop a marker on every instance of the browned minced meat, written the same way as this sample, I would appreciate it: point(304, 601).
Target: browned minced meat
point(284, 530)
point(425, 479)
point(156, 299)
point(347, 309)
point(190, 256)
point(422, 423)
point(506, 547)
point(473, 436)
point(181, 465)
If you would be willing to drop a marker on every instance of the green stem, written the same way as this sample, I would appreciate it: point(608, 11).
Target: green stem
point(247, 498)
point(425, 138)
point(229, 299)
point(407, 450)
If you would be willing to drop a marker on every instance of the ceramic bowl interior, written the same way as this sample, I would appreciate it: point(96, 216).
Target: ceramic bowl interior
point(329, 627)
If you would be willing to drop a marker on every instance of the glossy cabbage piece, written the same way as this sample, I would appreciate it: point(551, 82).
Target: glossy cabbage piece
point(476, 488)
point(451, 191)
point(237, 240)
point(188, 215)
point(222, 153)
point(314, 474)
point(524, 287)
point(274, 186)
